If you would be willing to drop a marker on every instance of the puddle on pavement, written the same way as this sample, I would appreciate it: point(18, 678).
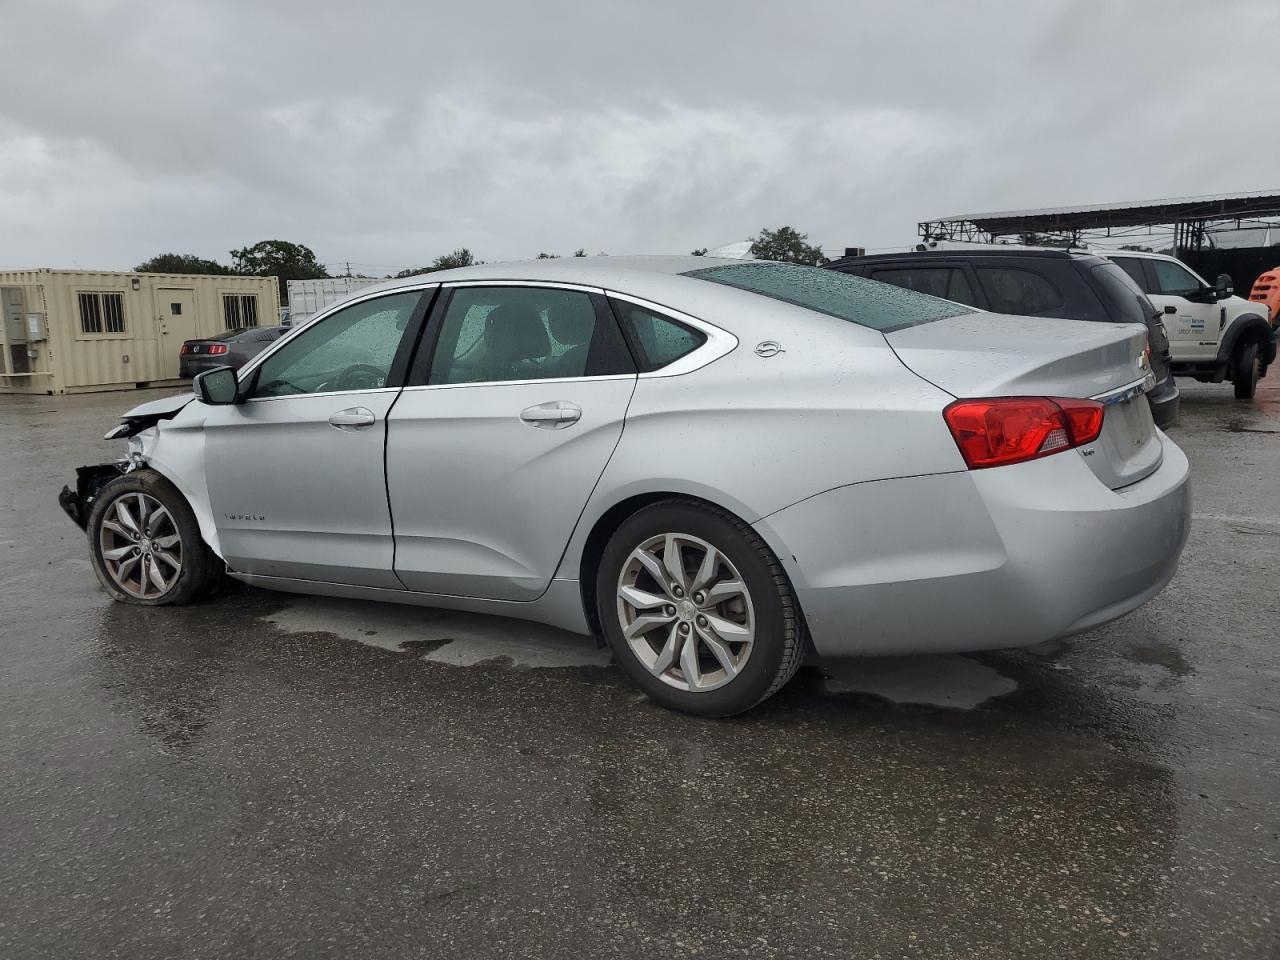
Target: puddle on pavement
point(441, 636)
point(940, 681)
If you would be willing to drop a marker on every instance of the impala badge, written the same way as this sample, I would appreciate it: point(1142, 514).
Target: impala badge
point(768, 348)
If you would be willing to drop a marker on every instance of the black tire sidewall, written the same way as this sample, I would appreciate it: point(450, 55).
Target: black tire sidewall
point(1245, 378)
point(769, 648)
point(196, 557)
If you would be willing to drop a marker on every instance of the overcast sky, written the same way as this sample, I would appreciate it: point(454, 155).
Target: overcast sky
point(386, 133)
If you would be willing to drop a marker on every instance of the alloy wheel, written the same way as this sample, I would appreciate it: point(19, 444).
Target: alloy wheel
point(686, 612)
point(140, 545)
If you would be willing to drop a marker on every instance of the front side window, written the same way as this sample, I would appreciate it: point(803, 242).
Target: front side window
point(659, 340)
point(101, 312)
point(352, 349)
point(949, 283)
point(1173, 279)
point(1014, 290)
point(856, 299)
point(494, 334)
point(240, 310)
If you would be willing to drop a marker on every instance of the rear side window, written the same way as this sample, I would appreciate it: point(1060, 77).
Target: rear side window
point(1133, 267)
point(1014, 290)
point(867, 303)
point(657, 340)
point(949, 283)
point(1124, 300)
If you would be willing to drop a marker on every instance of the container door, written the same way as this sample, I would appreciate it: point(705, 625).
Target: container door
point(176, 318)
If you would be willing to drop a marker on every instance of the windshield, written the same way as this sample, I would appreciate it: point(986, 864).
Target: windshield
point(867, 303)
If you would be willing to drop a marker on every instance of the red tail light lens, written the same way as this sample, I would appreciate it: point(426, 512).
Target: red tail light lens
point(1002, 430)
point(217, 349)
point(186, 348)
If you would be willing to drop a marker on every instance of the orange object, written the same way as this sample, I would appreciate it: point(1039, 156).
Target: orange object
point(1266, 289)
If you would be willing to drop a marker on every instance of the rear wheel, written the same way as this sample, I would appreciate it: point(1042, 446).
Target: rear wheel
point(697, 609)
point(145, 543)
point(1244, 375)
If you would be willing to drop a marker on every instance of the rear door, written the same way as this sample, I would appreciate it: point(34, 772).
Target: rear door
point(514, 408)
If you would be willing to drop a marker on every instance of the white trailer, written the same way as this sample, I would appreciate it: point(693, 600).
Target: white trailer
point(309, 297)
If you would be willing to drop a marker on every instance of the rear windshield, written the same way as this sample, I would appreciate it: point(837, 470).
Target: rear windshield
point(867, 303)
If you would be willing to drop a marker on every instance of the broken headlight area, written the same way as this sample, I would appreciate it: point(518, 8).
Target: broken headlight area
point(89, 481)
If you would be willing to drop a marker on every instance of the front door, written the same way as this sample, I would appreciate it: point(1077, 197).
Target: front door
point(493, 450)
point(296, 476)
point(176, 320)
point(1193, 327)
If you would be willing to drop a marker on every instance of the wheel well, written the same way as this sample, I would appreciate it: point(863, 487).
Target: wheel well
point(599, 536)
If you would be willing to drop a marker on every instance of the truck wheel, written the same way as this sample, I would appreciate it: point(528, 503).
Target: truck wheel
point(1244, 373)
point(145, 543)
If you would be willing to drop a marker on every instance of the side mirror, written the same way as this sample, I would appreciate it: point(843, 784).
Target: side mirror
point(1223, 286)
point(218, 386)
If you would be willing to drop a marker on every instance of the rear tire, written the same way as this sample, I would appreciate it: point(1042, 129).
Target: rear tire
point(718, 639)
point(145, 543)
point(1244, 373)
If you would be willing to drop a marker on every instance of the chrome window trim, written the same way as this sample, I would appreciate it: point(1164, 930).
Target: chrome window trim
point(323, 393)
point(328, 311)
point(514, 383)
point(542, 284)
point(719, 343)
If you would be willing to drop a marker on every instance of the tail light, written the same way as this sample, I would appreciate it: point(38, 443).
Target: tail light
point(217, 349)
point(186, 348)
point(999, 431)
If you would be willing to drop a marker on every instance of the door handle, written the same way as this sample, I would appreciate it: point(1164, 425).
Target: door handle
point(352, 418)
point(552, 416)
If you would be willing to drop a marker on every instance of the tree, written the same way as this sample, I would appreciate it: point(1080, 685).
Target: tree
point(580, 252)
point(278, 258)
point(462, 257)
point(180, 263)
point(700, 252)
point(548, 256)
point(787, 245)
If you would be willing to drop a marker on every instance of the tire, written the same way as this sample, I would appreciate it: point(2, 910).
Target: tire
point(654, 658)
point(164, 529)
point(1244, 372)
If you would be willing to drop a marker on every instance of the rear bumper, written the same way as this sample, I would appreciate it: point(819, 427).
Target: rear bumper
point(189, 367)
point(1166, 404)
point(983, 559)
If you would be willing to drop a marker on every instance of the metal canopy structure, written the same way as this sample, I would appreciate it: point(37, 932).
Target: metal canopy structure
point(1190, 220)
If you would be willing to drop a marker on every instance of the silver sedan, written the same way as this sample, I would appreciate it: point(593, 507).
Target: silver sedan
point(720, 467)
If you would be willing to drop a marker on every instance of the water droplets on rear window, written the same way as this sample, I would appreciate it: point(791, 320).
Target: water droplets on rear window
point(880, 306)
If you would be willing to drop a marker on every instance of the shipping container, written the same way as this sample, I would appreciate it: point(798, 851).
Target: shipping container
point(67, 331)
point(309, 297)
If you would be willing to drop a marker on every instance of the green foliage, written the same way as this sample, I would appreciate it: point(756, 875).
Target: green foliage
point(580, 252)
point(548, 256)
point(462, 257)
point(787, 245)
point(180, 263)
point(278, 258)
point(700, 252)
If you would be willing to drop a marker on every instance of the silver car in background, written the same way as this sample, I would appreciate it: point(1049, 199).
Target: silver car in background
point(717, 465)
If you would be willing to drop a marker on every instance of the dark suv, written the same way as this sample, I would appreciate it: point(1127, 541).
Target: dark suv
point(1033, 283)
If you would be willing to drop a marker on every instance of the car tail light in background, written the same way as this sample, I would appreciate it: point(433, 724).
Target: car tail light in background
point(999, 431)
point(212, 350)
point(217, 349)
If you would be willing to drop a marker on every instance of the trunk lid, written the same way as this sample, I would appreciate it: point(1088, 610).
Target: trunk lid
point(995, 355)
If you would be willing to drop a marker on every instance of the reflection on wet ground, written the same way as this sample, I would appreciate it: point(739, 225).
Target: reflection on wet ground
point(282, 776)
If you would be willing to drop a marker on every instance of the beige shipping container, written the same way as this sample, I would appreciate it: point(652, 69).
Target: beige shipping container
point(67, 331)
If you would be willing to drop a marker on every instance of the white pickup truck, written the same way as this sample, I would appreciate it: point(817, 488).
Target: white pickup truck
point(1213, 335)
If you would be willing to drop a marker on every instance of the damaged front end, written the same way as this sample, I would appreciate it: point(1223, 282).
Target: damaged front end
point(92, 478)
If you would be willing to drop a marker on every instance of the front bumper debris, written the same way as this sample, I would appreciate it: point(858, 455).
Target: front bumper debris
point(89, 481)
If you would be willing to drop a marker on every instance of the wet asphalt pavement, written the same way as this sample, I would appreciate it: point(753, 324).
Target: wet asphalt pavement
point(272, 776)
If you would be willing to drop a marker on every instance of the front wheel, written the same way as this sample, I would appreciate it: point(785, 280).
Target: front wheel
point(145, 543)
point(698, 610)
point(1244, 376)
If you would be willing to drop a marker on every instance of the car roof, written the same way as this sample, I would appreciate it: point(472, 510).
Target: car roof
point(976, 253)
point(1145, 255)
point(600, 271)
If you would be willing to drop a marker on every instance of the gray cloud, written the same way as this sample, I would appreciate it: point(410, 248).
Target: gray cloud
point(388, 133)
